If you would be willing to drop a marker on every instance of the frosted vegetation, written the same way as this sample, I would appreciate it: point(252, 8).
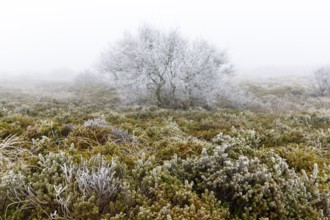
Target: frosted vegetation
point(176, 134)
point(165, 69)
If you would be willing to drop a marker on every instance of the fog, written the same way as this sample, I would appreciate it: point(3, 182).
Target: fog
point(47, 38)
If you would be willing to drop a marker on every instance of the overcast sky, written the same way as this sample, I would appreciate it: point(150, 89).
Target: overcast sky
point(43, 35)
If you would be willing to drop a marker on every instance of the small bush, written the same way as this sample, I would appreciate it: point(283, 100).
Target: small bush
point(252, 187)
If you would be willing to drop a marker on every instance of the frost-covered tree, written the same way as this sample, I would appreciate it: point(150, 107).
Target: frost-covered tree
point(322, 81)
point(165, 69)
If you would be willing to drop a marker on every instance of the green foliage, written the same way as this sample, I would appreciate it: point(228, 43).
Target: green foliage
point(163, 196)
point(57, 187)
point(79, 157)
point(251, 187)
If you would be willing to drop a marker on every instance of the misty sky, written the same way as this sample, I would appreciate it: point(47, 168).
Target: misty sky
point(45, 35)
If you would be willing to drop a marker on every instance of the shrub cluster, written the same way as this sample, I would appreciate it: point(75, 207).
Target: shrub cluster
point(254, 187)
point(78, 159)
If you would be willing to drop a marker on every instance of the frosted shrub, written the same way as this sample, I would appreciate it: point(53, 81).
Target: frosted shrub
point(26, 190)
point(321, 81)
point(120, 135)
point(249, 137)
point(222, 139)
point(10, 186)
point(97, 177)
point(225, 141)
point(252, 187)
point(11, 152)
point(159, 195)
point(164, 69)
point(95, 123)
point(60, 188)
